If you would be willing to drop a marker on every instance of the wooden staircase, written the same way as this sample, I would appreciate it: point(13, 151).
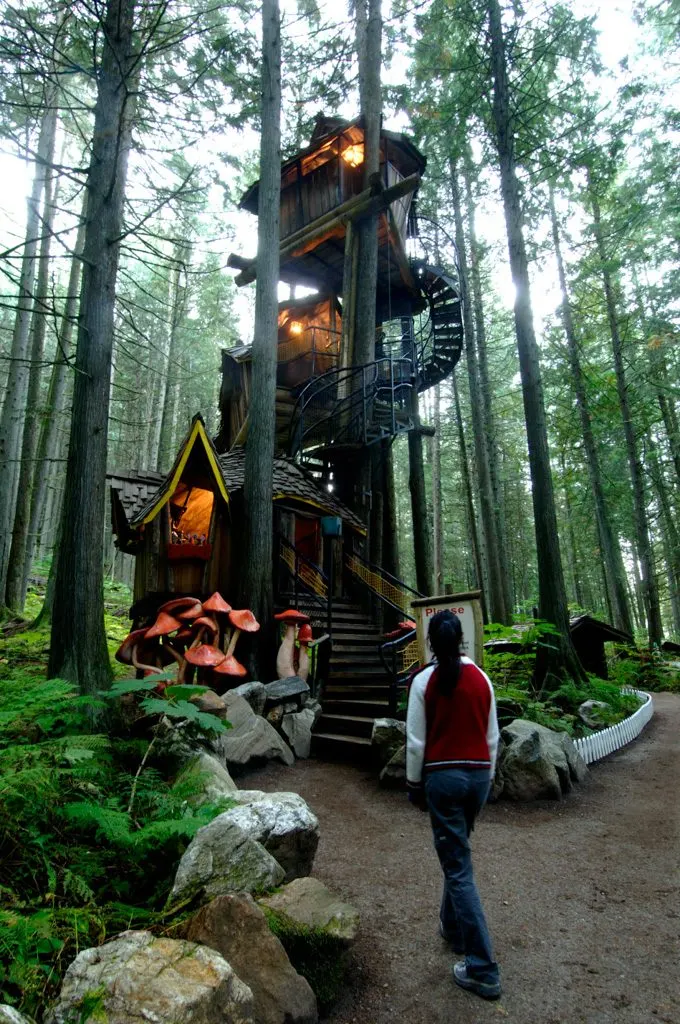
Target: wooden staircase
point(357, 691)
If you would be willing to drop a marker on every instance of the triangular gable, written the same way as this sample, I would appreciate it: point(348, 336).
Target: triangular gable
point(197, 433)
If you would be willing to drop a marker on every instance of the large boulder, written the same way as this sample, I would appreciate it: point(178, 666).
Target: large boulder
point(210, 703)
point(538, 763)
point(283, 823)
point(387, 737)
point(254, 693)
point(313, 705)
point(393, 775)
point(139, 977)
point(237, 928)
point(307, 903)
point(223, 858)
point(290, 688)
point(297, 728)
point(498, 781)
point(208, 778)
point(8, 1015)
point(251, 739)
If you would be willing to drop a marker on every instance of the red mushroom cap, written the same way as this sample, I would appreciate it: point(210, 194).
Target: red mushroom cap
point(305, 633)
point(244, 620)
point(192, 612)
point(216, 603)
point(292, 617)
point(163, 625)
point(205, 622)
point(184, 633)
point(132, 640)
point(407, 624)
point(177, 603)
point(205, 656)
point(230, 667)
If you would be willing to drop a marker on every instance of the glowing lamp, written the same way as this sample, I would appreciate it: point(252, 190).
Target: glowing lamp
point(295, 327)
point(354, 155)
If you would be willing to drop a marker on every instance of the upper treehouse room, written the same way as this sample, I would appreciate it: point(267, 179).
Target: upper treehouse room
point(316, 185)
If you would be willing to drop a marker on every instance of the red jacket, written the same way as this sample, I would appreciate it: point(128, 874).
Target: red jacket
point(456, 730)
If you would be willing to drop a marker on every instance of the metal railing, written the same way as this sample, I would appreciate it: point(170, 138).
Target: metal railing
point(352, 405)
point(399, 658)
point(308, 578)
point(390, 590)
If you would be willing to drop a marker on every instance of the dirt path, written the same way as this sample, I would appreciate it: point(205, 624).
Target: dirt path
point(582, 897)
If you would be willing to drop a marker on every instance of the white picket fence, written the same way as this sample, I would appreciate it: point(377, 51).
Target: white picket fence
point(606, 741)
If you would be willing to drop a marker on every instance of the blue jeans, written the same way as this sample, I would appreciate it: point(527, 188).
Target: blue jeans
point(455, 797)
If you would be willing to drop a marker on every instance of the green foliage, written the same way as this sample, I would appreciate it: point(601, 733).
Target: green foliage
point(645, 670)
point(516, 696)
point(77, 866)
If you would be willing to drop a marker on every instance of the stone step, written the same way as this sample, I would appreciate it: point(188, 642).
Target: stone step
point(345, 725)
point(363, 708)
point(332, 746)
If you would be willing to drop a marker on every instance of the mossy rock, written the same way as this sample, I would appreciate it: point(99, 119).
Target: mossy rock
point(320, 957)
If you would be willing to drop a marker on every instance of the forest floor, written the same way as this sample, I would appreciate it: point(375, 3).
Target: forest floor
point(582, 896)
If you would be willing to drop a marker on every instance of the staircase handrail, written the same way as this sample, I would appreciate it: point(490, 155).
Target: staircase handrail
point(353, 389)
point(309, 575)
point(399, 657)
point(390, 589)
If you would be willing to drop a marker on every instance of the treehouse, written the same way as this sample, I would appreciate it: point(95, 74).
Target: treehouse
point(327, 404)
point(186, 528)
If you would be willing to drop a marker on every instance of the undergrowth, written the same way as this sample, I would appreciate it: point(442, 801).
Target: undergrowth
point(89, 844)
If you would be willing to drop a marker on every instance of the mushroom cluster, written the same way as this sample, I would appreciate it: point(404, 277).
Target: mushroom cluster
point(197, 635)
point(293, 621)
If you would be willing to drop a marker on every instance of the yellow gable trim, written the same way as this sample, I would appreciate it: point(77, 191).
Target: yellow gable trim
point(197, 431)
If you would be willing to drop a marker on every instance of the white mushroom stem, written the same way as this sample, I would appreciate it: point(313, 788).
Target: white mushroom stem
point(303, 666)
point(232, 642)
point(284, 659)
point(140, 664)
point(226, 638)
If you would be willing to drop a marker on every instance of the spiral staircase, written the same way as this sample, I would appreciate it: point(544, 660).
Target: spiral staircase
point(351, 407)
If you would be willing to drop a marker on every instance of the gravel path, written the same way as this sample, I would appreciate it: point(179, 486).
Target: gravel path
point(582, 897)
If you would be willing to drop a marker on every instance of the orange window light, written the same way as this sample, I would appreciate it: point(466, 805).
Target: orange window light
point(354, 155)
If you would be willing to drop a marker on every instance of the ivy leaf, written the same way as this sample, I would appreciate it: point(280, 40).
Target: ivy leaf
point(184, 691)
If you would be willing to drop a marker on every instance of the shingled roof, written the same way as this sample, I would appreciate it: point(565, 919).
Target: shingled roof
point(135, 492)
point(290, 481)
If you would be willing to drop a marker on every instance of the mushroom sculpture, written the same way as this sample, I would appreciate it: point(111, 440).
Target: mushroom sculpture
point(217, 606)
point(304, 640)
point(243, 621)
point(131, 648)
point(285, 659)
point(229, 672)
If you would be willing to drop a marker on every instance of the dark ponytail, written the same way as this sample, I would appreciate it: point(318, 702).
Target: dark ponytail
point(446, 635)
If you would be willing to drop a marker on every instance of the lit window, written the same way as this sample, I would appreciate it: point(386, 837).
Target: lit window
point(354, 155)
point(295, 327)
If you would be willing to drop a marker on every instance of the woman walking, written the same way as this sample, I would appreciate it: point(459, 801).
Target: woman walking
point(451, 744)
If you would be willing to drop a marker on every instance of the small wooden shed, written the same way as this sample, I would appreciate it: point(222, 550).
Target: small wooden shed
point(589, 635)
point(186, 528)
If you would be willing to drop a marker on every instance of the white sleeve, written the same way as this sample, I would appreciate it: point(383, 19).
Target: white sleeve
point(416, 729)
point(492, 734)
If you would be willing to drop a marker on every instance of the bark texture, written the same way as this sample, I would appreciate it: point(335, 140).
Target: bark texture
point(257, 584)
point(611, 550)
point(78, 649)
point(551, 662)
point(648, 584)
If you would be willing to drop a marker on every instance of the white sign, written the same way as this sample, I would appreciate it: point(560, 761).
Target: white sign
point(467, 607)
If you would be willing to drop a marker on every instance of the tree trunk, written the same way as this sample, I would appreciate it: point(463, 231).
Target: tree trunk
point(611, 550)
point(49, 446)
point(561, 657)
point(669, 533)
point(15, 594)
point(437, 528)
point(650, 591)
point(469, 504)
point(78, 648)
point(422, 547)
point(369, 52)
point(14, 406)
point(180, 294)
point(490, 427)
point(391, 561)
point(496, 596)
point(257, 583)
